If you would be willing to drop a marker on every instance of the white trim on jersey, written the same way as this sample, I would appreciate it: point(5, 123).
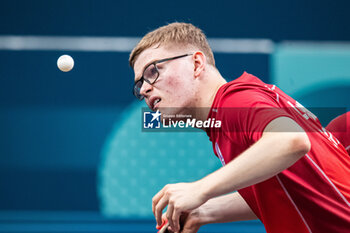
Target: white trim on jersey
point(295, 206)
point(329, 180)
point(219, 153)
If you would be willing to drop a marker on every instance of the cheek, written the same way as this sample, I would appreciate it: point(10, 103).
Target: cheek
point(179, 77)
point(179, 90)
point(177, 84)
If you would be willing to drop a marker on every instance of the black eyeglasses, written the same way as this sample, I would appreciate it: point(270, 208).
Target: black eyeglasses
point(150, 75)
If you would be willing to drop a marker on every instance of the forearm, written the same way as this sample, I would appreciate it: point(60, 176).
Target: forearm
point(227, 208)
point(266, 158)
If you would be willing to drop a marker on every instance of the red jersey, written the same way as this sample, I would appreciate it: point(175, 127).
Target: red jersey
point(313, 195)
point(340, 128)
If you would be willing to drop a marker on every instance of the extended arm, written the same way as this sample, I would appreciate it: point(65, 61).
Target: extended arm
point(282, 144)
point(227, 208)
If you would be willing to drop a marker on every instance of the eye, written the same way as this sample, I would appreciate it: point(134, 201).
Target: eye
point(150, 72)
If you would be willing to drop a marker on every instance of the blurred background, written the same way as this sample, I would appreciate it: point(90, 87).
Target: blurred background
point(72, 154)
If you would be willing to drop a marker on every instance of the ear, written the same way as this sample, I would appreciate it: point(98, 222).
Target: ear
point(200, 62)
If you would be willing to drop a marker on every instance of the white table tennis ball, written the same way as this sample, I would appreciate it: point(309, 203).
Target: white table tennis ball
point(65, 63)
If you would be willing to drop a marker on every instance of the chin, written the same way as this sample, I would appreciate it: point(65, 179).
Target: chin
point(167, 110)
point(173, 109)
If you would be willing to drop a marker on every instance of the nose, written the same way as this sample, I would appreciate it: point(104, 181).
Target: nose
point(145, 88)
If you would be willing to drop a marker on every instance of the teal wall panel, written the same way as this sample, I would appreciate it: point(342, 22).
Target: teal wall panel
point(135, 165)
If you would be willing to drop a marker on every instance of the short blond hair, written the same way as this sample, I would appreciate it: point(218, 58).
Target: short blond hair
point(174, 33)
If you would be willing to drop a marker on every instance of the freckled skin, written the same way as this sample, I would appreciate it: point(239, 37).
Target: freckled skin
point(185, 86)
point(176, 83)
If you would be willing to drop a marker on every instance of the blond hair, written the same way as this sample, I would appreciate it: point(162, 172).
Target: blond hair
point(174, 33)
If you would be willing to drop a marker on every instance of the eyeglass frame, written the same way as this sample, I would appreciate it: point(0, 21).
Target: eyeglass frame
point(154, 63)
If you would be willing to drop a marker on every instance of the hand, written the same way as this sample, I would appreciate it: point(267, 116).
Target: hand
point(180, 198)
point(189, 223)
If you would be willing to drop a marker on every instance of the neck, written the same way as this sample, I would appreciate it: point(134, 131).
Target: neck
point(207, 94)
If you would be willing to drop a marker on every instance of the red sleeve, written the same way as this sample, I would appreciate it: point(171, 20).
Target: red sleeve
point(248, 112)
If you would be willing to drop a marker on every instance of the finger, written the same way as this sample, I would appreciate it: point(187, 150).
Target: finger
point(176, 219)
point(156, 199)
point(159, 209)
point(164, 218)
point(169, 214)
point(164, 229)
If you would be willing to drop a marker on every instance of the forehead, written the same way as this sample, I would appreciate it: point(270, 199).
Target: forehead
point(152, 54)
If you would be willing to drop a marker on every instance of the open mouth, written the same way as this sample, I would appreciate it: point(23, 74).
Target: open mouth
point(155, 103)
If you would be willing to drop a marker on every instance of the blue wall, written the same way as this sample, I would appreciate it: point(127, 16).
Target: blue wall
point(54, 124)
point(278, 20)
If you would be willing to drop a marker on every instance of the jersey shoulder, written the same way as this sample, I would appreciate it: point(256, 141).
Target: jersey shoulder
point(245, 91)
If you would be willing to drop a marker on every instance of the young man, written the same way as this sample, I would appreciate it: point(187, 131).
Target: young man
point(340, 128)
point(289, 171)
